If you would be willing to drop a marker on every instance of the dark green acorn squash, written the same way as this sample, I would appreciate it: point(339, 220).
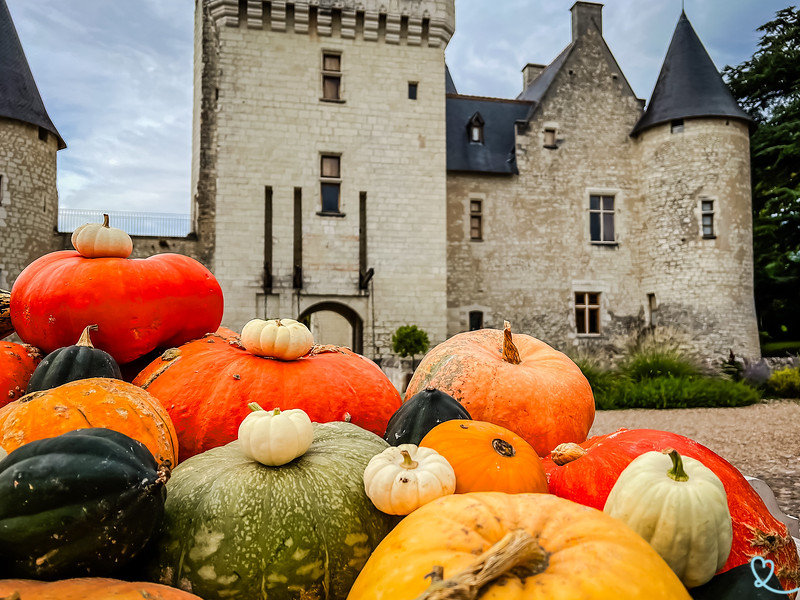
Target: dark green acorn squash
point(235, 528)
point(740, 583)
point(79, 504)
point(421, 413)
point(71, 363)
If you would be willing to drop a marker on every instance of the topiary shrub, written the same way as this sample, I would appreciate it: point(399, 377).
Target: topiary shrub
point(410, 340)
point(676, 392)
point(784, 383)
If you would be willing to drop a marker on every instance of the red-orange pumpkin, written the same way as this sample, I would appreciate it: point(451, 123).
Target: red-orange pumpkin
point(586, 472)
point(17, 364)
point(206, 385)
point(487, 457)
point(522, 384)
point(89, 588)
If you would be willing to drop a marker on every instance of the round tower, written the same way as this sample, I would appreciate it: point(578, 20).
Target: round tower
point(28, 145)
point(697, 249)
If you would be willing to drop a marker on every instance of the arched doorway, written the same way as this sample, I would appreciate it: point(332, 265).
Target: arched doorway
point(334, 323)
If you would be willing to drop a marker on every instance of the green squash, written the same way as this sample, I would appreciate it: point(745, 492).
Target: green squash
point(740, 583)
point(76, 505)
point(421, 413)
point(70, 363)
point(235, 528)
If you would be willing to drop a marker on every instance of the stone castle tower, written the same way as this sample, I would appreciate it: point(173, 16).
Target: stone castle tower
point(28, 145)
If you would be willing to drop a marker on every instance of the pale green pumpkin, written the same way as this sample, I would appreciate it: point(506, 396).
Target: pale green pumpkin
point(235, 528)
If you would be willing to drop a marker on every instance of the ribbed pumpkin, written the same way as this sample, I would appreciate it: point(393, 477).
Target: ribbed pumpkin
point(17, 364)
point(421, 413)
point(6, 328)
point(80, 504)
point(487, 457)
point(544, 547)
point(517, 382)
point(89, 588)
point(207, 384)
point(94, 402)
point(79, 361)
point(237, 528)
point(588, 472)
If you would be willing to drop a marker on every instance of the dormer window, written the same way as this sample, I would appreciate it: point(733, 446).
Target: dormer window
point(475, 129)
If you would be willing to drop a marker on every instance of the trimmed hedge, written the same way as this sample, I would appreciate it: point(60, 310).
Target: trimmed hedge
point(784, 383)
point(675, 392)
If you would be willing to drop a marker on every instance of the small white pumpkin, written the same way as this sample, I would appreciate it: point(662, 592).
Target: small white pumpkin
point(96, 240)
point(402, 478)
point(680, 507)
point(275, 437)
point(284, 339)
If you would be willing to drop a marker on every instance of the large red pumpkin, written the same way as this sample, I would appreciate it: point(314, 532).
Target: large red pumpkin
point(206, 385)
point(521, 384)
point(588, 471)
point(17, 364)
point(137, 304)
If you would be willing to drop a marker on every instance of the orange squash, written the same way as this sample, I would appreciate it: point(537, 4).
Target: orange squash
point(487, 457)
point(94, 402)
point(521, 384)
point(89, 588)
point(17, 364)
point(542, 547)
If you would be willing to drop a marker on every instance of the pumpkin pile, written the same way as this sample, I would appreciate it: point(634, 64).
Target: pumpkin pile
point(261, 465)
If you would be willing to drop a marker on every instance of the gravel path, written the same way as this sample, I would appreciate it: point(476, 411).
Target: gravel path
point(761, 440)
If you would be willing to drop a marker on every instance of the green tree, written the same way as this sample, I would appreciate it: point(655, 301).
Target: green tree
point(768, 87)
point(410, 340)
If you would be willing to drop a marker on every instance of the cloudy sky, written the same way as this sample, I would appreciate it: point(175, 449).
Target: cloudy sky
point(116, 75)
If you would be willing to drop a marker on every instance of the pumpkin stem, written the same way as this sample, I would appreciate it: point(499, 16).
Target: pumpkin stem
point(517, 549)
point(164, 472)
point(503, 448)
point(85, 339)
point(510, 352)
point(254, 406)
point(105, 220)
point(408, 462)
point(676, 472)
point(563, 454)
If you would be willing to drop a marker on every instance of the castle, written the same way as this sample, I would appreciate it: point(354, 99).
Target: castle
point(338, 176)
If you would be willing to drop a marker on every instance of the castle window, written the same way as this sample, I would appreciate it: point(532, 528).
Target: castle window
point(587, 313)
point(676, 126)
point(550, 138)
point(601, 219)
point(412, 90)
point(707, 215)
point(475, 129)
point(330, 183)
point(43, 134)
point(331, 76)
point(475, 219)
point(475, 320)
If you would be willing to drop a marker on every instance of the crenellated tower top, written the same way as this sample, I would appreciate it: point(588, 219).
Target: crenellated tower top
point(415, 22)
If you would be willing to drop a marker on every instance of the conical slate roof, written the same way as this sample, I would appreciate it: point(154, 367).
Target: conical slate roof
point(19, 96)
point(689, 84)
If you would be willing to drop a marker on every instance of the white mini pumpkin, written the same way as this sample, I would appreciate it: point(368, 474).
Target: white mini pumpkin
point(402, 478)
point(284, 339)
point(680, 507)
point(275, 437)
point(98, 240)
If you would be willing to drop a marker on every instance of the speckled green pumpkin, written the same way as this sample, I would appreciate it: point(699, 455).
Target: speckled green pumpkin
point(235, 528)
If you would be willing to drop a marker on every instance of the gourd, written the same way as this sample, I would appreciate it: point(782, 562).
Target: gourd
point(517, 382)
point(207, 384)
point(79, 361)
point(80, 504)
point(284, 339)
point(535, 546)
point(93, 402)
point(95, 240)
point(273, 437)
point(740, 583)
point(421, 413)
point(6, 328)
point(89, 588)
point(237, 528)
point(17, 364)
point(679, 506)
point(487, 457)
point(402, 478)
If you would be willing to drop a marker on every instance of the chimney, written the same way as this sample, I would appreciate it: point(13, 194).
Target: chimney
point(583, 15)
point(530, 72)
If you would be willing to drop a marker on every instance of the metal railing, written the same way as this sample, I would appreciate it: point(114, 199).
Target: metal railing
point(134, 223)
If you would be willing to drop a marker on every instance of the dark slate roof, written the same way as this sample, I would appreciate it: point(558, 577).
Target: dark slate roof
point(449, 86)
point(689, 84)
point(496, 153)
point(539, 86)
point(19, 96)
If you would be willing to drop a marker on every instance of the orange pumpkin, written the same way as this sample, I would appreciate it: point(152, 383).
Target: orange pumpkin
point(541, 547)
point(17, 364)
point(487, 457)
point(89, 588)
point(94, 402)
point(521, 383)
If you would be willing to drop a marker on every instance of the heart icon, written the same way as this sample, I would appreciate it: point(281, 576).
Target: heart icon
point(760, 563)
